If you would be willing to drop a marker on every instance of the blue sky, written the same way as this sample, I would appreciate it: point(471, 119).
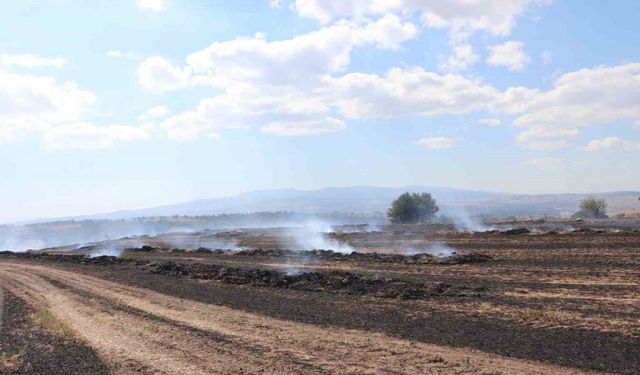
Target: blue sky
point(117, 104)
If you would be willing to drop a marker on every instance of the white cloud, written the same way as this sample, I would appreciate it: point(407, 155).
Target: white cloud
point(462, 18)
point(509, 54)
point(327, 10)
point(496, 17)
point(90, 136)
point(306, 79)
point(305, 127)
point(159, 75)
point(241, 109)
point(587, 97)
point(42, 106)
point(409, 92)
point(546, 57)
point(212, 114)
point(490, 121)
point(388, 32)
point(273, 84)
point(154, 113)
point(31, 103)
point(152, 5)
point(124, 55)
point(27, 60)
point(355, 95)
point(437, 143)
point(463, 57)
point(255, 64)
point(301, 60)
point(610, 144)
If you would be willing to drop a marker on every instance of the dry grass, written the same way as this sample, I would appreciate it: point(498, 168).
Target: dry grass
point(46, 320)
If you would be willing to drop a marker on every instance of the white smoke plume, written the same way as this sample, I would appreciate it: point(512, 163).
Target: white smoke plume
point(112, 251)
point(438, 249)
point(441, 250)
point(464, 221)
point(314, 235)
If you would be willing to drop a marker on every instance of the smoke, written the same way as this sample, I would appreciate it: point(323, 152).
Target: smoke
point(189, 241)
point(182, 229)
point(21, 237)
point(463, 221)
point(296, 265)
point(20, 245)
point(374, 227)
point(294, 271)
point(197, 240)
point(111, 251)
point(567, 228)
point(441, 250)
point(359, 228)
point(438, 249)
point(46, 235)
point(110, 248)
point(314, 235)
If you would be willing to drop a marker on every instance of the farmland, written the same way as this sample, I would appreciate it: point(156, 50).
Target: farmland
point(555, 297)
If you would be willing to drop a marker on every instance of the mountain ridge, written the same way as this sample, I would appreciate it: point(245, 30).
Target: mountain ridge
point(371, 199)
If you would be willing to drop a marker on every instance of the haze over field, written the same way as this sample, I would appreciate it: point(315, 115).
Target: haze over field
point(119, 105)
point(375, 200)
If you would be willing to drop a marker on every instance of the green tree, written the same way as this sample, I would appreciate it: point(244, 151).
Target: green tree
point(592, 208)
point(411, 208)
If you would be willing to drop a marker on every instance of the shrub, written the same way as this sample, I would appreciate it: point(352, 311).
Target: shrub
point(592, 208)
point(411, 208)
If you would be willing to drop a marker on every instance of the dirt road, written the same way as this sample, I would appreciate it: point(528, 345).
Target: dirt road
point(140, 331)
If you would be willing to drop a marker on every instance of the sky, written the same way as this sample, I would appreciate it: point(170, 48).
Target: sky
point(123, 104)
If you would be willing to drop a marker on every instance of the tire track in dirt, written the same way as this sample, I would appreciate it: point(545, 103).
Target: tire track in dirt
point(138, 329)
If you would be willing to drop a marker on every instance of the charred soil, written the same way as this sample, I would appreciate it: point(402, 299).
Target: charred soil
point(538, 302)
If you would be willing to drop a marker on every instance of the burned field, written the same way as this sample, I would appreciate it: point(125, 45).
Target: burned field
point(406, 300)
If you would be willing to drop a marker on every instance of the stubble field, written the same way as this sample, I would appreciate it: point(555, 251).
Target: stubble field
point(410, 299)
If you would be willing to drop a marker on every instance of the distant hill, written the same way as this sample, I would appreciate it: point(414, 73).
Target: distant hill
point(370, 199)
point(334, 206)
